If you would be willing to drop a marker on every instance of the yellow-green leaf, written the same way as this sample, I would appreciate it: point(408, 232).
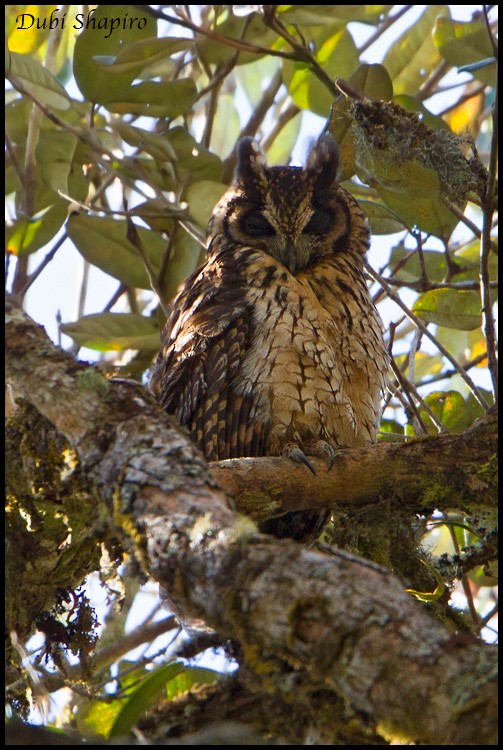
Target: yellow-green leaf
point(338, 56)
point(451, 409)
point(186, 680)
point(425, 596)
point(25, 236)
point(141, 698)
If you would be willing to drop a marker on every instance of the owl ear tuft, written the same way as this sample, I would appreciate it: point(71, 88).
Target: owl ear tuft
point(250, 161)
point(323, 161)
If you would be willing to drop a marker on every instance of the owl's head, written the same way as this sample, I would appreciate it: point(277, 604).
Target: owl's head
point(297, 215)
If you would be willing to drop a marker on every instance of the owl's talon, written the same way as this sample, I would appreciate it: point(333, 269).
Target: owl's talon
point(330, 453)
point(322, 449)
point(298, 455)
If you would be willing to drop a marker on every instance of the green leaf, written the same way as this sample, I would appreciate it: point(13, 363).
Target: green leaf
point(382, 220)
point(55, 152)
point(409, 189)
point(451, 308)
point(464, 43)
point(202, 198)
point(138, 56)
point(186, 254)
point(193, 161)
point(38, 81)
point(280, 151)
point(139, 700)
point(152, 99)
point(103, 243)
point(469, 257)
point(226, 125)
point(411, 269)
point(413, 104)
point(145, 140)
point(372, 81)
point(114, 332)
point(413, 55)
point(100, 42)
point(322, 15)
point(250, 29)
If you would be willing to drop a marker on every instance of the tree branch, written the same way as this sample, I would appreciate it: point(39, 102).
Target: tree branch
point(333, 629)
point(360, 477)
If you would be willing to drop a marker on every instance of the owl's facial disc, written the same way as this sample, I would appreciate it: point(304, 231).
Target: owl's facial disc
point(296, 215)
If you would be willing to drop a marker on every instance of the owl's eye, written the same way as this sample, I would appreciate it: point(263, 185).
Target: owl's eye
point(256, 225)
point(319, 223)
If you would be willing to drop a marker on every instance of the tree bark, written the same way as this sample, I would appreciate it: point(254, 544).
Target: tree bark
point(320, 630)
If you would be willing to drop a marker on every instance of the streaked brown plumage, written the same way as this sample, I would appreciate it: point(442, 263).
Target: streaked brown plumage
point(274, 346)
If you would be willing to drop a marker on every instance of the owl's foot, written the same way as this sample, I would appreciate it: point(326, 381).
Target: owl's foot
point(319, 448)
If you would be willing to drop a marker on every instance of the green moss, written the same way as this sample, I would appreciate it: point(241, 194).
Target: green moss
point(92, 380)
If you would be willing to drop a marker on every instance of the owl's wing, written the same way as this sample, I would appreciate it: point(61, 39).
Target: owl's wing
point(196, 377)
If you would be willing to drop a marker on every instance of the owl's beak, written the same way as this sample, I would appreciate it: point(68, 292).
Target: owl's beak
point(295, 257)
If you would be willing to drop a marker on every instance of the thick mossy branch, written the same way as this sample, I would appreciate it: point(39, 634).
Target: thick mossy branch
point(318, 629)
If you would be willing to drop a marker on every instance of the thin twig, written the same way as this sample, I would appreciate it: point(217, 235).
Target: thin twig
point(464, 579)
point(446, 374)
point(462, 99)
point(36, 273)
point(486, 245)
point(492, 39)
point(263, 106)
point(427, 89)
point(385, 25)
point(283, 119)
point(458, 213)
point(211, 109)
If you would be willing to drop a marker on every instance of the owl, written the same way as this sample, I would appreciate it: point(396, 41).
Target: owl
point(274, 347)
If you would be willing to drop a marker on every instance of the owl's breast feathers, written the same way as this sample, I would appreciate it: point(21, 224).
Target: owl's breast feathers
point(254, 356)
